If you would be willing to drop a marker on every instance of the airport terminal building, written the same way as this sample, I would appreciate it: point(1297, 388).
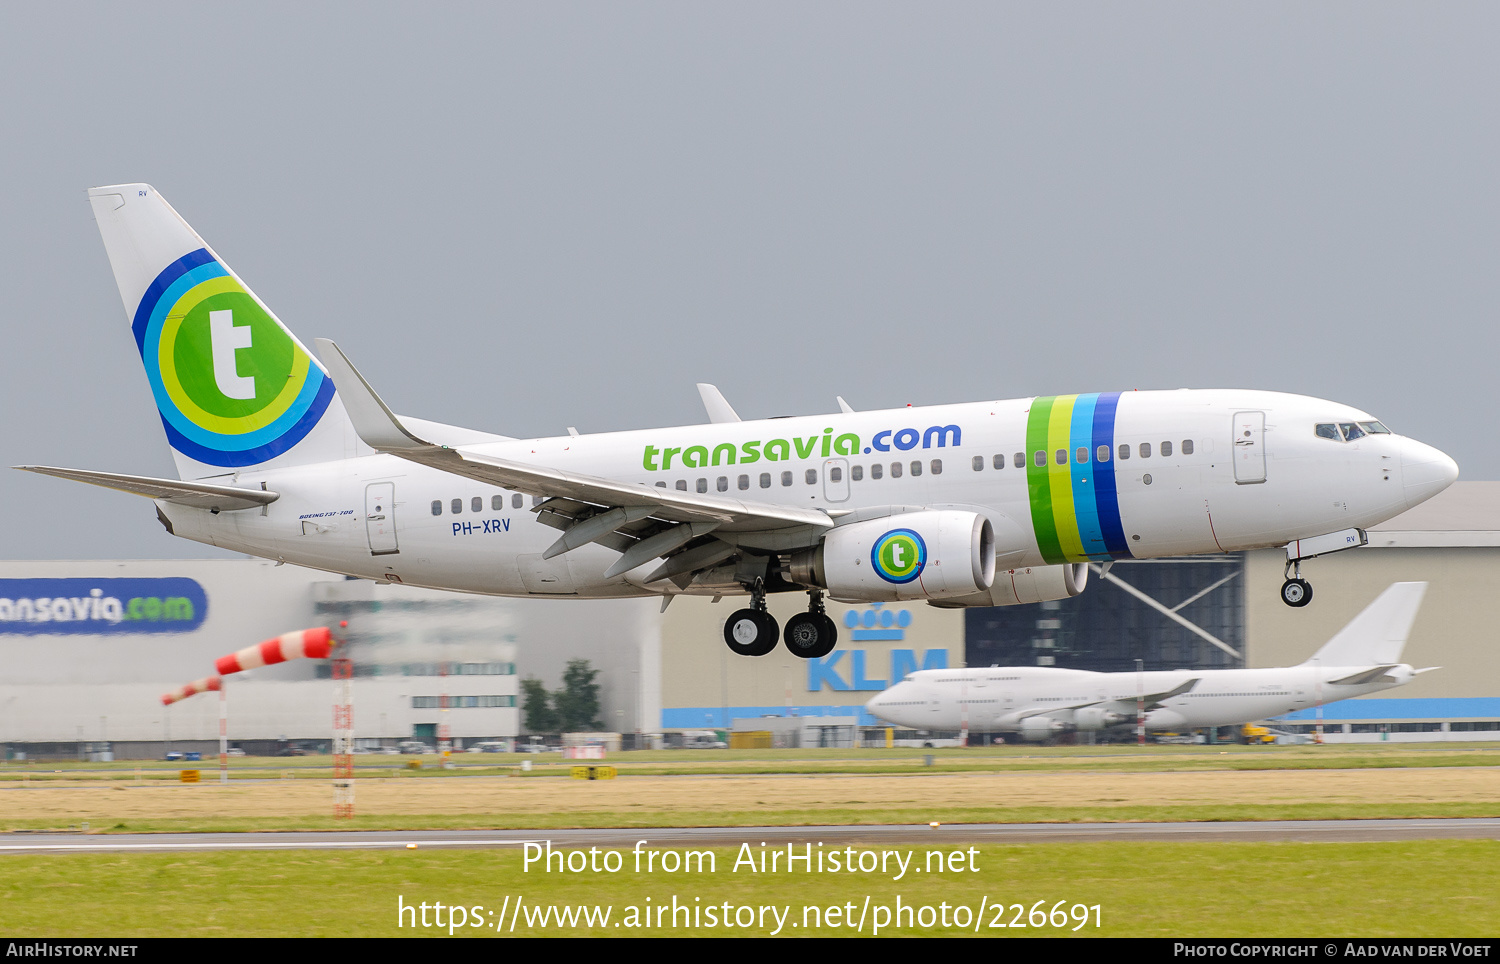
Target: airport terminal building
point(87, 648)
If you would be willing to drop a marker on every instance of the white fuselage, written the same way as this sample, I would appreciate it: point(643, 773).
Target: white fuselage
point(1004, 699)
point(1226, 489)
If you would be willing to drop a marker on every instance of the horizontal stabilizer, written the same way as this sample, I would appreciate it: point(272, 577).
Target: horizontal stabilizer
point(1378, 634)
point(199, 495)
point(1363, 676)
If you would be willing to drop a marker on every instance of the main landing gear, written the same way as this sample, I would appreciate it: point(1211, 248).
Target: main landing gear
point(811, 635)
point(1295, 592)
point(753, 631)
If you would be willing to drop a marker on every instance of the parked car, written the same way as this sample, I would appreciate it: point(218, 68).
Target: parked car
point(414, 747)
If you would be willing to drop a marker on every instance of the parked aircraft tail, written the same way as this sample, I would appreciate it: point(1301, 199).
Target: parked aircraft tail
point(1378, 634)
point(235, 388)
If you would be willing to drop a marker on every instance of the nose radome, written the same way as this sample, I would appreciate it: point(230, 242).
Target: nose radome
point(1425, 471)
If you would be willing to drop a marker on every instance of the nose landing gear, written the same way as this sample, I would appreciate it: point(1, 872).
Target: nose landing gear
point(1295, 592)
point(811, 635)
point(753, 631)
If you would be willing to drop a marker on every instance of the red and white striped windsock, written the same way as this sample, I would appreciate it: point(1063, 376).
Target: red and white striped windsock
point(196, 686)
point(309, 643)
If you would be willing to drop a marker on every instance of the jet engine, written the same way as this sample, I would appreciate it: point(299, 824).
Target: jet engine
point(932, 554)
point(1015, 587)
point(1038, 728)
point(1098, 718)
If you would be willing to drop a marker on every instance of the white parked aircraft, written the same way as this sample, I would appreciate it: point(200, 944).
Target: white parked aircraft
point(984, 504)
point(1041, 702)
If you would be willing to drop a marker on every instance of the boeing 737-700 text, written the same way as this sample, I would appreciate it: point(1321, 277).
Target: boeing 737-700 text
point(1040, 702)
point(984, 504)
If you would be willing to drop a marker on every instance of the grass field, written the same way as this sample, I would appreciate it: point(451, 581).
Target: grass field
point(1155, 784)
point(1413, 889)
point(1418, 888)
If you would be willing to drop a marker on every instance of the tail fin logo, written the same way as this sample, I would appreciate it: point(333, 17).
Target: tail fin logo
point(232, 385)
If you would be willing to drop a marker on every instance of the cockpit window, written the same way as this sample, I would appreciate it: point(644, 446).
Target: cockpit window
point(1351, 431)
point(1328, 430)
point(1374, 428)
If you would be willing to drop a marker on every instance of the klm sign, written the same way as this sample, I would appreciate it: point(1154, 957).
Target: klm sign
point(840, 674)
point(846, 670)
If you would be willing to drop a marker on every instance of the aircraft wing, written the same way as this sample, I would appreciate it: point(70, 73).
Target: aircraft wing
point(1151, 700)
point(199, 495)
point(588, 508)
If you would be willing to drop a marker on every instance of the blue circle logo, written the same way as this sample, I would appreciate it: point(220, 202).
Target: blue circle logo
point(899, 556)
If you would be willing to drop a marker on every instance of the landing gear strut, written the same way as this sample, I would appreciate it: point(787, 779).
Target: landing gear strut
point(811, 635)
point(1295, 591)
point(753, 631)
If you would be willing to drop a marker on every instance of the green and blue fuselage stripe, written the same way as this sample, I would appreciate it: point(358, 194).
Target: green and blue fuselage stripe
point(1106, 492)
point(1075, 508)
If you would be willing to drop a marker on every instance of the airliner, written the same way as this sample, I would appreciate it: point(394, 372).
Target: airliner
point(1040, 703)
point(293, 457)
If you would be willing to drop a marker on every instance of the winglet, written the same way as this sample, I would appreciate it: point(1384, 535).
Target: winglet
point(844, 406)
point(719, 409)
point(375, 423)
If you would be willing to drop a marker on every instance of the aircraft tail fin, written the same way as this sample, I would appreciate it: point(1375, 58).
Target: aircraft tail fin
point(234, 386)
point(1378, 634)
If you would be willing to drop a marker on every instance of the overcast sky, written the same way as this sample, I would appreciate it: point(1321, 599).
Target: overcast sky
point(525, 217)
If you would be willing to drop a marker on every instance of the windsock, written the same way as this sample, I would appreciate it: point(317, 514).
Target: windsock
point(310, 643)
point(197, 686)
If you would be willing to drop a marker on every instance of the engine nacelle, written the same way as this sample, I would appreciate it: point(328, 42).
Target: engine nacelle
point(1041, 728)
point(933, 554)
point(1015, 587)
point(1097, 718)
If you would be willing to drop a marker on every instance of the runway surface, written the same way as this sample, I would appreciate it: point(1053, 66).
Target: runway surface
point(18, 842)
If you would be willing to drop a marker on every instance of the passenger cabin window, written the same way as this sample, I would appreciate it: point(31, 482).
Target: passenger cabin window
point(998, 461)
point(476, 504)
point(937, 466)
point(916, 469)
point(517, 500)
point(786, 479)
point(457, 506)
point(857, 472)
point(437, 506)
point(682, 485)
point(743, 482)
point(702, 485)
point(661, 485)
point(1102, 453)
point(1187, 446)
point(979, 463)
point(497, 502)
point(1020, 460)
point(1145, 450)
point(537, 500)
point(1041, 459)
point(835, 474)
point(1061, 456)
point(722, 484)
point(812, 476)
point(895, 470)
point(877, 470)
point(765, 480)
point(1166, 450)
point(1124, 452)
point(1082, 455)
